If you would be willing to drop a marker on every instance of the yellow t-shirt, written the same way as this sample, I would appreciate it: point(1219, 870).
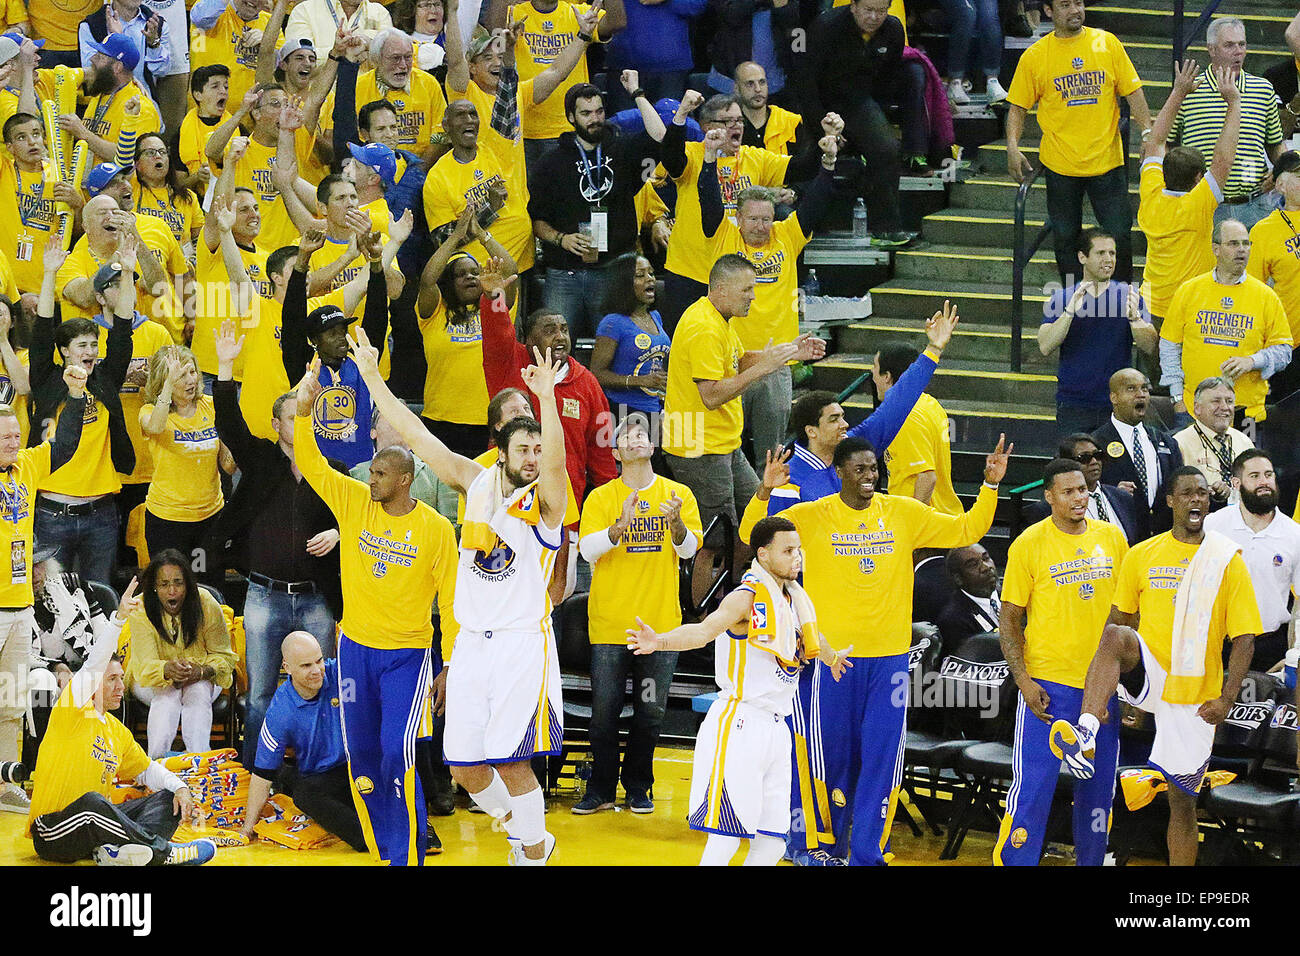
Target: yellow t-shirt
point(1215, 322)
point(774, 314)
point(1177, 227)
point(82, 752)
point(56, 21)
point(1066, 581)
point(184, 217)
point(194, 137)
point(186, 482)
point(419, 110)
point(1148, 586)
point(310, 167)
point(393, 567)
point(778, 134)
point(688, 250)
point(1275, 254)
point(90, 472)
point(147, 339)
point(27, 219)
point(923, 444)
point(450, 186)
point(159, 240)
point(488, 460)
point(509, 151)
point(639, 577)
point(224, 43)
point(18, 486)
point(81, 264)
point(545, 37)
point(1076, 84)
point(858, 564)
point(213, 304)
point(454, 387)
point(106, 115)
point(253, 171)
point(705, 347)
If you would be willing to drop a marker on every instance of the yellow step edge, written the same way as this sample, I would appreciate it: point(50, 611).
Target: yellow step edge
point(1038, 258)
point(1256, 17)
point(1010, 185)
point(993, 296)
point(942, 370)
point(973, 413)
point(960, 330)
point(948, 217)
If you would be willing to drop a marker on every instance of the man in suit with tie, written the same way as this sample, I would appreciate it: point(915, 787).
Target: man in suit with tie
point(1105, 502)
point(1136, 456)
point(974, 605)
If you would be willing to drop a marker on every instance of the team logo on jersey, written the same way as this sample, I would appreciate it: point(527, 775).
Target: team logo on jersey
point(1019, 837)
point(1086, 591)
point(866, 565)
point(642, 340)
point(478, 174)
point(364, 785)
point(379, 569)
point(1077, 63)
point(1277, 560)
point(642, 505)
point(1226, 302)
point(334, 701)
point(495, 562)
point(400, 104)
point(335, 412)
point(1115, 449)
point(758, 616)
point(837, 797)
point(548, 25)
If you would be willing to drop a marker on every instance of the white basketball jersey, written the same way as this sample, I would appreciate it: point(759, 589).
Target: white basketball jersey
point(506, 588)
point(752, 674)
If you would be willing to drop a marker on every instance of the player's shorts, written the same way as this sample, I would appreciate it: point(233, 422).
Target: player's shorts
point(1183, 740)
point(740, 782)
point(503, 697)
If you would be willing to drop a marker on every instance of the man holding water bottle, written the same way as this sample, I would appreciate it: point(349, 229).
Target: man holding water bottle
point(1270, 546)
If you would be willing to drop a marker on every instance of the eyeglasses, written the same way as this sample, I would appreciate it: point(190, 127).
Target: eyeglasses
point(736, 121)
point(1087, 457)
point(153, 151)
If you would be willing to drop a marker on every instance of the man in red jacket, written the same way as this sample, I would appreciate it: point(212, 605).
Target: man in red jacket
point(584, 410)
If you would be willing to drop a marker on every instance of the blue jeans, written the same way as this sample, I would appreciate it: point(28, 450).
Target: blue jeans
point(85, 543)
point(974, 20)
point(1247, 213)
point(579, 296)
point(1108, 194)
point(651, 676)
point(268, 617)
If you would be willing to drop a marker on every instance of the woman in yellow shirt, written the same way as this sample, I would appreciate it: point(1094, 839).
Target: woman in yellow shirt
point(181, 658)
point(159, 193)
point(185, 498)
point(455, 389)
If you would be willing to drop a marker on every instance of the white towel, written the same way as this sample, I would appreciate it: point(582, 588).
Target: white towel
point(1193, 609)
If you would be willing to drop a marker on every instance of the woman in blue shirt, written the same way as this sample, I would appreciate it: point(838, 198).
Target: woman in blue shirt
point(630, 359)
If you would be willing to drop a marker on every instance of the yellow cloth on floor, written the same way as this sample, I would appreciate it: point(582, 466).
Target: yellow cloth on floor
point(284, 824)
point(1141, 784)
point(219, 835)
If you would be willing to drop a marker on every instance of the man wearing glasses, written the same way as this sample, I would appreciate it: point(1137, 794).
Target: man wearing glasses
point(1110, 503)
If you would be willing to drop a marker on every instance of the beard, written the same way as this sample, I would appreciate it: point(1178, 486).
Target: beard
point(1259, 502)
point(101, 81)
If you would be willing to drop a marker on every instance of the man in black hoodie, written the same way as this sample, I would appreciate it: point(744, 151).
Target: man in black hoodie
point(583, 200)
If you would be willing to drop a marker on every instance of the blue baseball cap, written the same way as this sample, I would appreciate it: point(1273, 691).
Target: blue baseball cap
point(101, 175)
point(378, 157)
point(120, 47)
point(20, 37)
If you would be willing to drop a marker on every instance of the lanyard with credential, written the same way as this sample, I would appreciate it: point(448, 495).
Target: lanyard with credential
point(593, 191)
point(38, 190)
point(10, 497)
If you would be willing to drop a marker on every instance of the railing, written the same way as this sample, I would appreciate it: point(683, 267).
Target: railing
point(1016, 525)
point(1183, 40)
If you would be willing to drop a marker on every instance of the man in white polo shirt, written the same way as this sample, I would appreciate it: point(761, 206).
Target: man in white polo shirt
point(1270, 546)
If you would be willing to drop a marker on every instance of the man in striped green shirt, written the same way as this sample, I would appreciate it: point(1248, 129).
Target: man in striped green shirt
point(1247, 194)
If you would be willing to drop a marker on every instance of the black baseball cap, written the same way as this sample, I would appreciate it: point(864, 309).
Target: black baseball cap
point(327, 316)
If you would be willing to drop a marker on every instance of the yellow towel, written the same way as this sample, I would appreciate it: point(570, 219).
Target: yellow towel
point(1140, 785)
point(778, 625)
point(284, 824)
point(1193, 610)
point(486, 503)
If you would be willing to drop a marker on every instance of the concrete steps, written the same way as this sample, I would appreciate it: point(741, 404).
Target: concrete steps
point(954, 379)
point(927, 260)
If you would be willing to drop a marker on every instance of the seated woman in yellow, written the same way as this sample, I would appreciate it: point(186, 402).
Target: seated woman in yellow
point(184, 501)
point(181, 657)
point(455, 390)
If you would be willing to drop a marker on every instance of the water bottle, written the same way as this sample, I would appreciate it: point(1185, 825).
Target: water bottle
point(860, 219)
point(812, 286)
point(1292, 657)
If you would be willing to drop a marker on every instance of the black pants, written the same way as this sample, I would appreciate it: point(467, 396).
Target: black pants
point(127, 499)
point(73, 833)
point(327, 798)
point(871, 136)
point(679, 294)
point(468, 440)
point(409, 368)
point(196, 540)
point(1108, 194)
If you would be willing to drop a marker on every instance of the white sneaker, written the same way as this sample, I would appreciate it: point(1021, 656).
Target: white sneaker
point(994, 90)
point(133, 854)
point(957, 93)
point(14, 800)
point(1075, 745)
point(517, 857)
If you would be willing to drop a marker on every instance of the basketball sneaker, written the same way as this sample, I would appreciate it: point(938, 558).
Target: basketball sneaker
point(1075, 745)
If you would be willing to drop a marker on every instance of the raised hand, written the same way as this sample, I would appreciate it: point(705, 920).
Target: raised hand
point(830, 147)
point(540, 376)
point(309, 387)
point(588, 21)
point(832, 125)
point(671, 509)
point(74, 376)
point(625, 516)
point(364, 354)
point(400, 229)
point(54, 255)
point(631, 80)
point(132, 107)
point(642, 639)
point(493, 280)
point(229, 342)
point(291, 113)
point(714, 141)
point(152, 30)
point(127, 244)
point(372, 244)
point(312, 241)
point(776, 471)
point(691, 101)
point(1188, 77)
point(131, 600)
point(224, 209)
point(1226, 82)
point(358, 221)
point(995, 465)
point(939, 327)
point(249, 102)
point(113, 21)
point(808, 348)
point(235, 151)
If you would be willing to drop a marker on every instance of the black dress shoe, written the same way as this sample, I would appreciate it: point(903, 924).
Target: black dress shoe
point(442, 804)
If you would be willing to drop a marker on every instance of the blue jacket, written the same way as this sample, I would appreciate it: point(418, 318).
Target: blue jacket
point(657, 38)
